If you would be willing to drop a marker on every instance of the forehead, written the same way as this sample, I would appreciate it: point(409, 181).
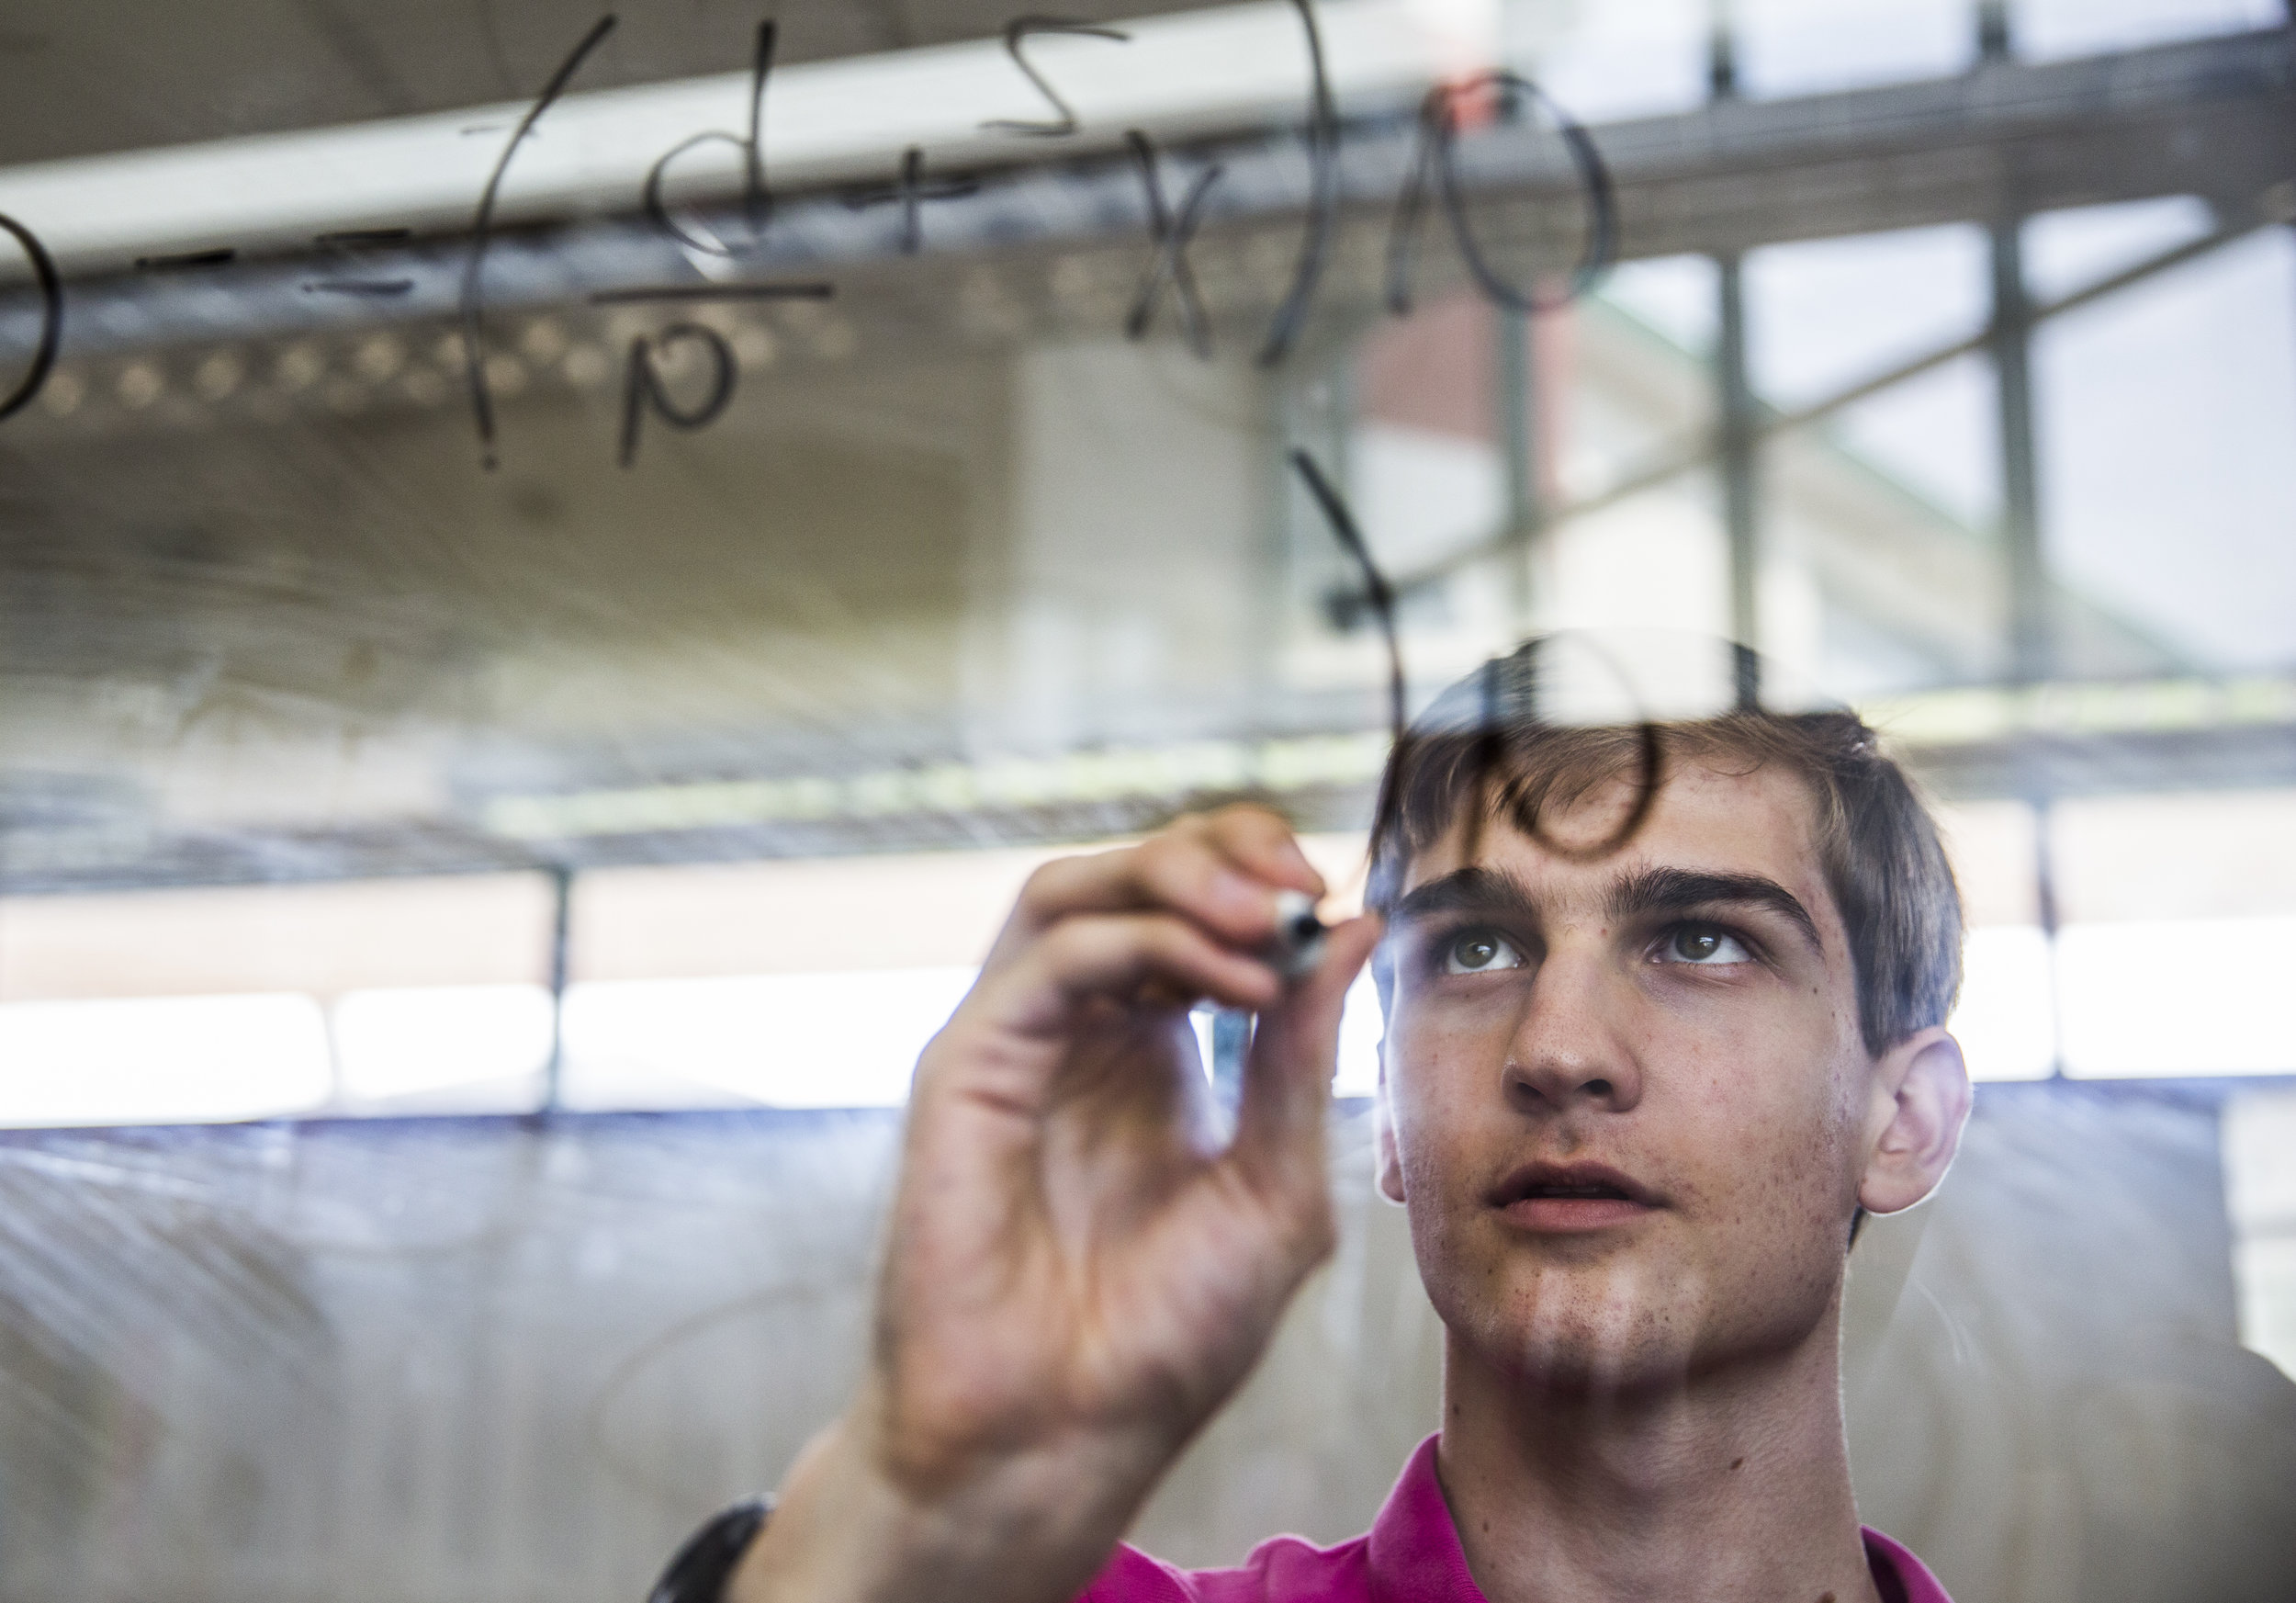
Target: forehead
point(1760, 821)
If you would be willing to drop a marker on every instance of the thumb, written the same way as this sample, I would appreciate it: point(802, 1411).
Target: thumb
point(1287, 1082)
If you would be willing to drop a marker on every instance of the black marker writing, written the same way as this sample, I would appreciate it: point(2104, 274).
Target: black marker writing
point(912, 190)
point(644, 386)
point(1508, 701)
point(473, 306)
point(1378, 593)
point(1434, 165)
point(1021, 27)
point(757, 201)
point(350, 245)
point(1169, 265)
point(184, 260)
point(50, 318)
point(1315, 244)
point(1500, 708)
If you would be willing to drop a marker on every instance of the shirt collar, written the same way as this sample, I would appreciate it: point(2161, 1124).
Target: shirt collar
point(1413, 1553)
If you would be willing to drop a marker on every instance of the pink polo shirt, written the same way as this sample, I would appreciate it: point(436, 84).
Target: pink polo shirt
point(1411, 1555)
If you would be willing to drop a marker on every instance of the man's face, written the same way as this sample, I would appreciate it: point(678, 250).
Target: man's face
point(1627, 1100)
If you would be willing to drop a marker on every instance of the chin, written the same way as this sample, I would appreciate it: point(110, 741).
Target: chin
point(1623, 1330)
point(1615, 1329)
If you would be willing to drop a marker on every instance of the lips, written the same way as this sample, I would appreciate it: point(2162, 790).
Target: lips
point(1564, 1197)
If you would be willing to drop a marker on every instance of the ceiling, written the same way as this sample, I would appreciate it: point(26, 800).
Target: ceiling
point(85, 77)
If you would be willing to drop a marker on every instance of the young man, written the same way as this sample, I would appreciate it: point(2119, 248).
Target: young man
point(1634, 1100)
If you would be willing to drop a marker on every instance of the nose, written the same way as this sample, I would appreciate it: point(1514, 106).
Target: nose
point(1569, 1050)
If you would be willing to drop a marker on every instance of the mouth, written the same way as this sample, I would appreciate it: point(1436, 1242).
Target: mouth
point(1553, 1198)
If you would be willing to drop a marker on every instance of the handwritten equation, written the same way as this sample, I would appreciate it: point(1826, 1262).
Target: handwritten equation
point(358, 261)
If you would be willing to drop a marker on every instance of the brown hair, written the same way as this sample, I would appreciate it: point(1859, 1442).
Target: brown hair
point(1878, 847)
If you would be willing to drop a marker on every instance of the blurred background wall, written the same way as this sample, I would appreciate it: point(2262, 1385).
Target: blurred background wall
point(413, 1361)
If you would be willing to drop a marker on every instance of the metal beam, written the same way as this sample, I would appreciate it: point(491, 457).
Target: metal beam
point(561, 945)
point(2009, 341)
point(1519, 423)
point(1739, 433)
point(2057, 741)
point(2214, 118)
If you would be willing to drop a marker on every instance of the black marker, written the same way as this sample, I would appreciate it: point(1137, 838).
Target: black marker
point(1299, 943)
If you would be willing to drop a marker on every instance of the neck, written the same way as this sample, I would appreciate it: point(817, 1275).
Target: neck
point(1723, 1487)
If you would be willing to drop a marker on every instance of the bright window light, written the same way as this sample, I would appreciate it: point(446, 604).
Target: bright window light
point(2176, 997)
point(2047, 29)
point(2002, 1020)
point(465, 1048)
point(1360, 1029)
point(847, 1040)
point(162, 1060)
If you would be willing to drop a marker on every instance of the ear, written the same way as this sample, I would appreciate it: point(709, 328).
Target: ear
point(1389, 1161)
point(1921, 1103)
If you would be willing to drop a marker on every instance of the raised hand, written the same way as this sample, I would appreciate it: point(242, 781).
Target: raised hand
point(1077, 1275)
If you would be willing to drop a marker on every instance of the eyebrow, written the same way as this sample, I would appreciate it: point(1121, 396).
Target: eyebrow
point(1477, 889)
point(1639, 894)
point(1683, 890)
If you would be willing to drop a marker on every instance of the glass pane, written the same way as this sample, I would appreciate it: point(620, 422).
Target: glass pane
point(1807, 47)
point(1879, 519)
point(806, 580)
point(2164, 412)
point(1610, 62)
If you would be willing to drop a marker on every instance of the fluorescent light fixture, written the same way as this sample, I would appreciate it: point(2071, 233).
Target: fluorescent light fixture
point(2176, 997)
point(162, 1060)
point(2003, 1019)
point(465, 1048)
point(827, 122)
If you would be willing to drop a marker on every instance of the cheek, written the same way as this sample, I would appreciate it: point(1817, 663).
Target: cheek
point(1437, 1108)
point(1442, 1067)
point(1770, 1128)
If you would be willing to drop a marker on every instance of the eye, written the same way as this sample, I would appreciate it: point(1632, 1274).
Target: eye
point(1702, 943)
point(1478, 951)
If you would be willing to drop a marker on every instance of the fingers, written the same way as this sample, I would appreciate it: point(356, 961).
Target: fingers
point(1287, 1086)
point(1220, 870)
point(1129, 958)
point(1262, 843)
